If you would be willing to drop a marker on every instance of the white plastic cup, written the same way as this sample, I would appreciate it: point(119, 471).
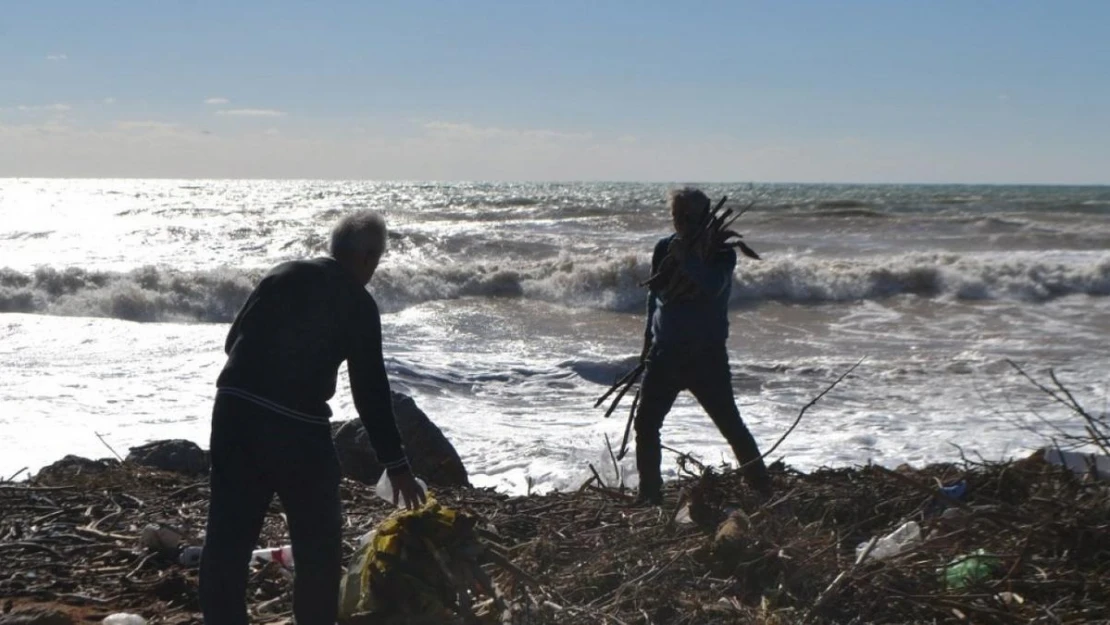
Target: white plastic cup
point(123, 618)
point(282, 555)
point(385, 490)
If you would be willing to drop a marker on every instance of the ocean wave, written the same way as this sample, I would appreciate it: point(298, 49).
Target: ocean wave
point(602, 283)
point(961, 277)
point(848, 212)
point(145, 294)
point(843, 204)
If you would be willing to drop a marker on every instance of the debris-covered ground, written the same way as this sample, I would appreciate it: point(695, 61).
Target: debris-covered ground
point(714, 553)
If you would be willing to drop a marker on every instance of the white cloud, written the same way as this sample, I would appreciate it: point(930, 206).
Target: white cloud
point(51, 108)
point(252, 113)
point(217, 101)
point(56, 57)
point(109, 100)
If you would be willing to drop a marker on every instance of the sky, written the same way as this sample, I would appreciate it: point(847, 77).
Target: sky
point(961, 91)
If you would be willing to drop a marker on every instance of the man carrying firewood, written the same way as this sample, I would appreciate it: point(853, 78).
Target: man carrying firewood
point(684, 343)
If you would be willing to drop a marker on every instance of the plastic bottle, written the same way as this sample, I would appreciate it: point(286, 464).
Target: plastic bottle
point(969, 569)
point(894, 543)
point(282, 555)
point(384, 489)
point(123, 618)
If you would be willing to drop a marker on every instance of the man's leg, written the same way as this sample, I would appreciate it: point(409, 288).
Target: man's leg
point(711, 384)
point(658, 391)
point(309, 491)
point(240, 497)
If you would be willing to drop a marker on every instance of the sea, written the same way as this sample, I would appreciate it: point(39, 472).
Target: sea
point(509, 308)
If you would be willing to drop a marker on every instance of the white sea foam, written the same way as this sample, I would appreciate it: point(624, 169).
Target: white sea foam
point(509, 309)
point(605, 283)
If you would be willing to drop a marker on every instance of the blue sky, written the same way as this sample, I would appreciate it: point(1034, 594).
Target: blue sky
point(864, 91)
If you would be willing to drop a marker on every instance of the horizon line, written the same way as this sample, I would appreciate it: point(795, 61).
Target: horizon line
point(564, 181)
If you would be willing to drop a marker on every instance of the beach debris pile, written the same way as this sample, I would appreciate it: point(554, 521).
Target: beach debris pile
point(1017, 542)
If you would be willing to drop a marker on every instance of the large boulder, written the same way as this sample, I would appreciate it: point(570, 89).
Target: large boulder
point(177, 455)
point(432, 456)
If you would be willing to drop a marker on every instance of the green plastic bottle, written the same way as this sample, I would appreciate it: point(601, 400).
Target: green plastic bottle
point(970, 568)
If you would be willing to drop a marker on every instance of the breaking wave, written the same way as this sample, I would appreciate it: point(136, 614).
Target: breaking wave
point(603, 283)
point(146, 294)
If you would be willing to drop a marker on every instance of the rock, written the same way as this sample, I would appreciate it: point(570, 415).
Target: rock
point(71, 465)
point(36, 616)
point(158, 538)
point(433, 457)
point(178, 455)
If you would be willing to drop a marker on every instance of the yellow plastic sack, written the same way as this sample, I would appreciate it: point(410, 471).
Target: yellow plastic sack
point(412, 565)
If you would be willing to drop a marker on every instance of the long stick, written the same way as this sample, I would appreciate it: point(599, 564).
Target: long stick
point(631, 381)
point(108, 446)
point(802, 412)
point(635, 371)
point(628, 426)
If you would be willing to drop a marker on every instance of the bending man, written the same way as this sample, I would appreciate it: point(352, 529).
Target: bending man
point(270, 432)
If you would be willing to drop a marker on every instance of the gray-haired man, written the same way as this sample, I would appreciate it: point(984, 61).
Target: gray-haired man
point(270, 432)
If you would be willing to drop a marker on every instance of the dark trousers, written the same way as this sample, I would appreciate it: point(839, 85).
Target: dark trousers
point(705, 373)
point(255, 455)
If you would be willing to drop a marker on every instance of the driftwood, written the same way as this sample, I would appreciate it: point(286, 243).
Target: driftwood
point(591, 556)
point(710, 236)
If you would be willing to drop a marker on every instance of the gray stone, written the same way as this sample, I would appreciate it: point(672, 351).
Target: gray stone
point(180, 456)
point(432, 456)
point(71, 465)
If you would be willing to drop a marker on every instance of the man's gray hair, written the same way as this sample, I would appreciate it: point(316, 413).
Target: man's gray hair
point(361, 232)
point(688, 201)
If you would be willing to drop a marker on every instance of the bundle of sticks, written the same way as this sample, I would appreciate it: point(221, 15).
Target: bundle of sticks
point(712, 234)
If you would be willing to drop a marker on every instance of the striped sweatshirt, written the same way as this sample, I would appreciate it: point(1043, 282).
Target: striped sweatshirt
point(287, 342)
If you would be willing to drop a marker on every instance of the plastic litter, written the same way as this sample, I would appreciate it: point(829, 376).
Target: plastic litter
point(969, 569)
point(190, 556)
point(123, 618)
point(955, 491)
point(384, 490)
point(894, 543)
point(282, 555)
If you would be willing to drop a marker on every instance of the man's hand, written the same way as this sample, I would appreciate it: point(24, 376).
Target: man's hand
point(405, 486)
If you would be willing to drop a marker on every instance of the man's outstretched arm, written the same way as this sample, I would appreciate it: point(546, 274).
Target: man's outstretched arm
point(372, 397)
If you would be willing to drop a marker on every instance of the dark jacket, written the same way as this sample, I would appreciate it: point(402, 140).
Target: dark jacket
point(697, 322)
point(289, 339)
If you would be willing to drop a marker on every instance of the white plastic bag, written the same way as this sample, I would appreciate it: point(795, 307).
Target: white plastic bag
point(384, 489)
point(894, 543)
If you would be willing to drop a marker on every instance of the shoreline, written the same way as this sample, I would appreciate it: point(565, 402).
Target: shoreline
point(713, 553)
